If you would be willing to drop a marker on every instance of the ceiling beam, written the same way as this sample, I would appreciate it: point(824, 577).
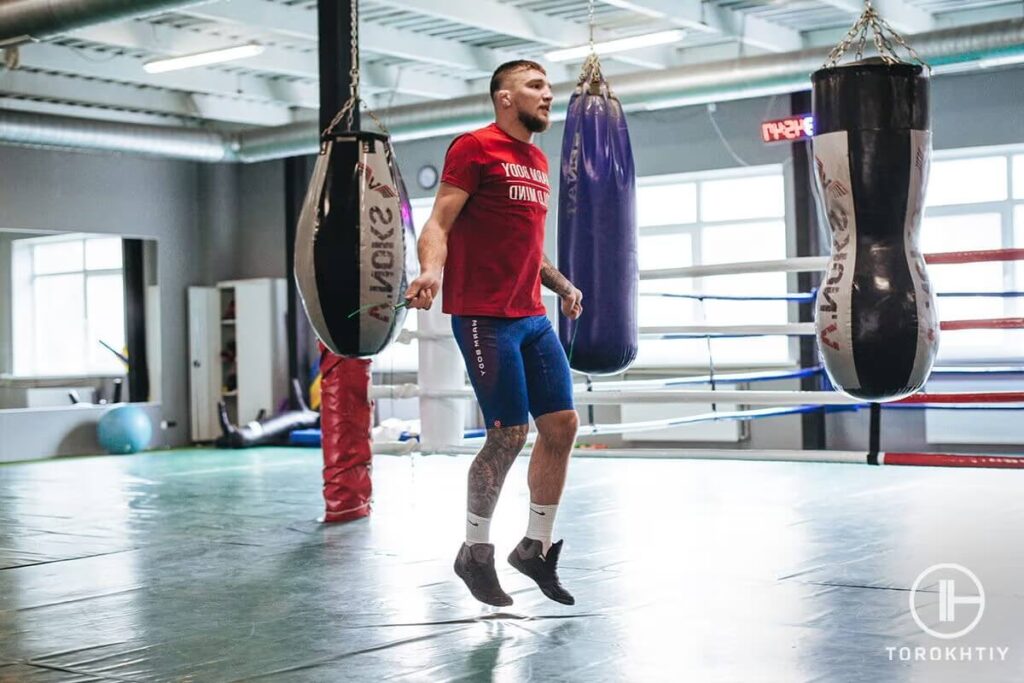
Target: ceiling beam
point(122, 69)
point(900, 14)
point(535, 27)
point(116, 96)
point(698, 16)
point(162, 40)
point(167, 40)
point(300, 24)
point(263, 15)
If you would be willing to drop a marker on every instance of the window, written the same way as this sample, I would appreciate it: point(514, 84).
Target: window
point(975, 201)
point(698, 219)
point(68, 300)
point(405, 357)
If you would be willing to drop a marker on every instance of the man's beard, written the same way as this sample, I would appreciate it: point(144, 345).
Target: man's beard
point(534, 124)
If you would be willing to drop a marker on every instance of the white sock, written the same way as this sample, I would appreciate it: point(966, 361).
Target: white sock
point(478, 529)
point(542, 521)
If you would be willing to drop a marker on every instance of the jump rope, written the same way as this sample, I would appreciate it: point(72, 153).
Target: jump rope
point(403, 304)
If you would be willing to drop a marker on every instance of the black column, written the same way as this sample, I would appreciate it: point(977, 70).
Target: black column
point(135, 319)
point(300, 337)
point(335, 30)
point(808, 243)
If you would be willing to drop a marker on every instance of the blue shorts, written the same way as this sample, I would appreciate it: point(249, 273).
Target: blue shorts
point(517, 367)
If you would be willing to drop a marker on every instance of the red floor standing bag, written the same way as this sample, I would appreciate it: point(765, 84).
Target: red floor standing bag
point(345, 422)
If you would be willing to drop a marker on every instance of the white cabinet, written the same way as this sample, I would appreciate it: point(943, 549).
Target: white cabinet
point(238, 352)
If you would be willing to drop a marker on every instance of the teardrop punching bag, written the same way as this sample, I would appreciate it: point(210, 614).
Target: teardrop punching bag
point(597, 232)
point(875, 311)
point(354, 245)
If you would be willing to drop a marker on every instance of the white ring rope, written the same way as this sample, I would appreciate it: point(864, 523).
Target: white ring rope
point(801, 264)
point(758, 454)
point(729, 397)
point(794, 329)
point(790, 329)
point(653, 425)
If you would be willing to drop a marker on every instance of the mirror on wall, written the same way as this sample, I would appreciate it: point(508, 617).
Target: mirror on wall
point(79, 320)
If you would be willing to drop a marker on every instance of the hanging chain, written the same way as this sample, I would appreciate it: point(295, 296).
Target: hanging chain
point(590, 22)
point(591, 71)
point(347, 111)
point(882, 35)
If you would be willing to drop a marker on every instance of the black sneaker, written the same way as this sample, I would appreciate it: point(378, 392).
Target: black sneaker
point(527, 558)
point(475, 565)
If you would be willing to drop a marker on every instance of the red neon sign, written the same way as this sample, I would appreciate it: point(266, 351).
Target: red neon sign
point(789, 129)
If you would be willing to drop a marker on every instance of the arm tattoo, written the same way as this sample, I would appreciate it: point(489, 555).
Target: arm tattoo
point(551, 278)
point(487, 473)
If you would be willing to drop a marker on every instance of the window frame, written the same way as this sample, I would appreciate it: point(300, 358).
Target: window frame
point(24, 248)
point(695, 230)
point(995, 351)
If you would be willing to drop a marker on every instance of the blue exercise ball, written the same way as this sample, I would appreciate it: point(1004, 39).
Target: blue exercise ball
point(124, 429)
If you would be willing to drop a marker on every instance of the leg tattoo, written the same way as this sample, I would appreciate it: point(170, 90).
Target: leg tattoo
point(487, 473)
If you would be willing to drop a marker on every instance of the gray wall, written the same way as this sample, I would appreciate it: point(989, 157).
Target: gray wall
point(207, 230)
point(69, 192)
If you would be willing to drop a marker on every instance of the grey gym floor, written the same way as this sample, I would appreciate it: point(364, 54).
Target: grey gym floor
point(205, 565)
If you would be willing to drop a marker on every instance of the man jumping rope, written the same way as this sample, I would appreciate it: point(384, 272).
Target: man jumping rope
point(486, 232)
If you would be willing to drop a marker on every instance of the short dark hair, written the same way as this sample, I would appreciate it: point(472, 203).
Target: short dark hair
point(509, 67)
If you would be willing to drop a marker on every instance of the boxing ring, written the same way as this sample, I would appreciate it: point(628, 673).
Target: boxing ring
point(442, 391)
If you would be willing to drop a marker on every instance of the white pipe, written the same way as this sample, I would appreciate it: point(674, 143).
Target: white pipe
point(441, 369)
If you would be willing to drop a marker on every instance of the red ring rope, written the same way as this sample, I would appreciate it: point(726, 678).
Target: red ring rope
point(983, 324)
point(967, 397)
point(974, 256)
point(954, 460)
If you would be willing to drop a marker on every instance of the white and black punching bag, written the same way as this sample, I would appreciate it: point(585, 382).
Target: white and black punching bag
point(355, 246)
point(875, 313)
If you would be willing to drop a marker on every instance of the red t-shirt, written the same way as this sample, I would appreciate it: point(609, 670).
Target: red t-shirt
point(496, 246)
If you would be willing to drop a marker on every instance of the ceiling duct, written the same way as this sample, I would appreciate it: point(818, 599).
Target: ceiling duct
point(34, 130)
point(22, 21)
point(678, 86)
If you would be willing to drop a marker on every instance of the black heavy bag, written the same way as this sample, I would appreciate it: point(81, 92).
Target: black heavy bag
point(355, 246)
point(597, 236)
point(875, 312)
point(262, 431)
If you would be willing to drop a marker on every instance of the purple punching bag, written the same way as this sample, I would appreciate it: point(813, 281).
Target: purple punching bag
point(875, 312)
point(597, 235)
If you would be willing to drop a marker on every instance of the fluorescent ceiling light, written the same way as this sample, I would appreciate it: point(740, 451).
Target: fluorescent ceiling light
point(620, 45)
point(159, 66)
point(1004, 60)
